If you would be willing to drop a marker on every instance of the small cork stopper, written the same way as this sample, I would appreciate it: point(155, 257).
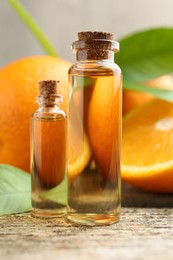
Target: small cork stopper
point(48, 87)
point(48, 93)
point(95, 35)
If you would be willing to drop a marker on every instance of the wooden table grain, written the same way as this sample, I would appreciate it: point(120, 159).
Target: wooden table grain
point(144, 232)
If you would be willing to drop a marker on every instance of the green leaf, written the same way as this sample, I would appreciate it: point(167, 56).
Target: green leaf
point(83, 82)
point(146, 55)
point(33, 27)
point(15, 190)
point(159, 93)
point(58, 194)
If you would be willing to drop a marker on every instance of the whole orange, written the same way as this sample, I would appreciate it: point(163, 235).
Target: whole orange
point(18, 91)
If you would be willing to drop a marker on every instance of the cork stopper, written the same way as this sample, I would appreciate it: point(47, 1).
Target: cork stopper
point(95, 46)
point(48, 93)
point(94, 35)
point(48, 87)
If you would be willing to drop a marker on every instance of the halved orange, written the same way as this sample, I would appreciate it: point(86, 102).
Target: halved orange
point(79, 149)
point(103, 124)
point(147, 147)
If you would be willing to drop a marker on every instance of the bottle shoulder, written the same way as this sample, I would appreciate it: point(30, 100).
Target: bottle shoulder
point(95, 67)
point(49, 114)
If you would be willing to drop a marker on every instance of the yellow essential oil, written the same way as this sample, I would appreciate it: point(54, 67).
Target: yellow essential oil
point(49, 154)
point(94, 193)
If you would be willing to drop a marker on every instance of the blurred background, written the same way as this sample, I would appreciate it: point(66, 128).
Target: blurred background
point(62, 19)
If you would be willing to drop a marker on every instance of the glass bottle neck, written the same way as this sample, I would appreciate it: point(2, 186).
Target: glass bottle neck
point(43, 107)
point(48, 103)
point(94, 55)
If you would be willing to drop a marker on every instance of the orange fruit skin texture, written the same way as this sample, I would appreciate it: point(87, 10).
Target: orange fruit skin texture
point(18, 91)
point(147, 147)
point(132, 99)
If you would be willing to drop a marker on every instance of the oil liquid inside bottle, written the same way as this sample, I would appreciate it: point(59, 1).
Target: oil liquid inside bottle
point(94, 196)
point(49, 164)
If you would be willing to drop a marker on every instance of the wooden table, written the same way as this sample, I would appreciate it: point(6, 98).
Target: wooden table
point(144, 232)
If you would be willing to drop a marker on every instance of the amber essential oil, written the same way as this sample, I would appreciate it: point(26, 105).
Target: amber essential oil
point(94, 194)
point(49, 154)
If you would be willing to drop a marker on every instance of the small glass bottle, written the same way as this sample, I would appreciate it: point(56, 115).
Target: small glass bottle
point(94, 193)
point(49, 153)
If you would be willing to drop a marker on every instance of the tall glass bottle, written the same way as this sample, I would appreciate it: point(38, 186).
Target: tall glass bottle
point(94, 193)
point(49, 154)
